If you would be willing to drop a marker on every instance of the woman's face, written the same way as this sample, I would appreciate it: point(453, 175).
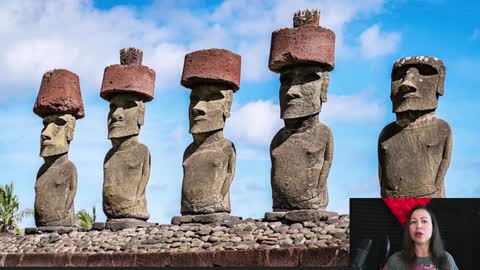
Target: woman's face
point(420, 227)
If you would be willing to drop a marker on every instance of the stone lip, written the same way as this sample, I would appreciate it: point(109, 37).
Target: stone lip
point(306, 45)
point(132, 78)
point(212, 66)
point(59, 94)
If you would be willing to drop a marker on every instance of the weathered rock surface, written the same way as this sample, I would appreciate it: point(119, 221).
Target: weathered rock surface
point(240, 235)
point(302, 151)
point(59, 94)
point(127, 164)
point(414, 152)
point(212, 66)
point(209, 161)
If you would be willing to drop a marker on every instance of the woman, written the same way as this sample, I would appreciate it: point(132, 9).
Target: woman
point(422, 245)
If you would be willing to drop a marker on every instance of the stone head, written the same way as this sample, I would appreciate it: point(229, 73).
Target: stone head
point(126, 115)
point(303, 89)
point(210, 105)
point(416, 83)
point(56, 135)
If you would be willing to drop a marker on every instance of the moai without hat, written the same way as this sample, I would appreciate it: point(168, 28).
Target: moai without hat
point(209, 161)
point(414, 151)
point(59, 103)
point(127, 165)
point(302, 151)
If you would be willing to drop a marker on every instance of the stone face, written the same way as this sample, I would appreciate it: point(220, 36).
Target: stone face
point(209, 107)
point(127, 164)
point(416, 83)
point(209, 162)
point(59, 94)
point(213, 66)
point(414, 152)
point(306, 43)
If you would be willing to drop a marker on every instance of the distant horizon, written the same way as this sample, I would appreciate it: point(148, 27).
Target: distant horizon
point(85, 36)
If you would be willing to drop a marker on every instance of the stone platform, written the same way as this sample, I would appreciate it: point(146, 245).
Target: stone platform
point(214, 240)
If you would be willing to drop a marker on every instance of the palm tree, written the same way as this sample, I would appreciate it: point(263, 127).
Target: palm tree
point(9, 214)
point(85, 220)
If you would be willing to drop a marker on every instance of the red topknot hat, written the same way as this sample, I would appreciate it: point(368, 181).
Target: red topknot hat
point(213, 65)
point(59, 94)
point(129, 77)
point(306, 43)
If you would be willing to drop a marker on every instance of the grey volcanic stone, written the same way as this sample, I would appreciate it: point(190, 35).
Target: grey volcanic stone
point(414, 152)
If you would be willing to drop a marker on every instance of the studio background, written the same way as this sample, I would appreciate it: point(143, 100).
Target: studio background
point(458, 219)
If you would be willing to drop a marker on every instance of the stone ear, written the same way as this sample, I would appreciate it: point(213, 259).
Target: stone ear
point(325, 78)
point(441, 80)
point(228, 94)
point(141, 112)
point(70, 128)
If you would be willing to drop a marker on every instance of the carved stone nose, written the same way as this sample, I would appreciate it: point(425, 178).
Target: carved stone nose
point(118, 115)
point(45, 137)
point(199, 109)
point(293, 92)
point(407, 87)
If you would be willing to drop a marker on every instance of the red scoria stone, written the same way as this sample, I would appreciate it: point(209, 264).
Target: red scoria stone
point(133, 78)
point(302, 46)
point(212, 66)
point(59, 94)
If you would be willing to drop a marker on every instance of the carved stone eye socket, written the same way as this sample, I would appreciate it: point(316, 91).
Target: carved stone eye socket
point(285, 80)
point(424, 70)
point(311, 77)
point(60, 122)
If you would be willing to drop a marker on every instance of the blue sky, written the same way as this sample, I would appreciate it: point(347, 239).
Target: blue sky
point(85, 36)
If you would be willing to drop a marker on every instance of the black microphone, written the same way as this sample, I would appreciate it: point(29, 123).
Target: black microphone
point(361, 253)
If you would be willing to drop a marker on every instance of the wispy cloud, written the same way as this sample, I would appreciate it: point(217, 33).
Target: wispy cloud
point(77, 36)
point(375, 43)
point(257, 122)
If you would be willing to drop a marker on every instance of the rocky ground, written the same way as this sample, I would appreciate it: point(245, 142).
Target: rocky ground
point(240, 235)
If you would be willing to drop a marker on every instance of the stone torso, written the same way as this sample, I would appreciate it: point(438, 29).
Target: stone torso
point(208, 173)
point(55, 190)
point(298, 157)
point(411, 158)
point(126, 175)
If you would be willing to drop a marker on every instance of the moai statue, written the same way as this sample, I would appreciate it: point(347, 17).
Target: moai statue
point(414, 151)
point(127, 165)
point(302, 151)
point(59, 103)
point(209, 161)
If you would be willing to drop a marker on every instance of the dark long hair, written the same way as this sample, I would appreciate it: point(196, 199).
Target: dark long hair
point(437, 252)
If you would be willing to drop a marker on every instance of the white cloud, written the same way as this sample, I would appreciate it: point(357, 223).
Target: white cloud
point(362, 107)
point(255, 122)
point(375, 43)
point(258, 121)
point(44, 35)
